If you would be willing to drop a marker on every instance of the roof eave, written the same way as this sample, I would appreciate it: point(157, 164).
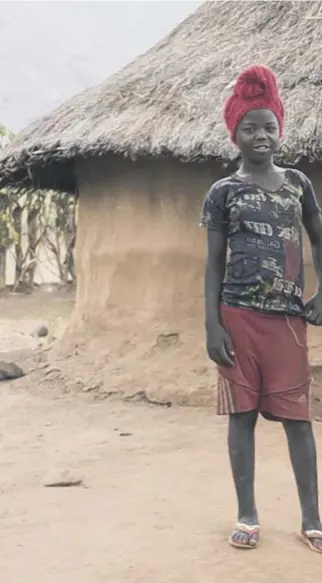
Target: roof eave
point(54, 167)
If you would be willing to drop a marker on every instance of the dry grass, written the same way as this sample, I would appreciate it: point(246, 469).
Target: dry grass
point(169, 100)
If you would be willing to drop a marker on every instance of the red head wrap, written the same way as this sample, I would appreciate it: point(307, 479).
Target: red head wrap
point(255, 88)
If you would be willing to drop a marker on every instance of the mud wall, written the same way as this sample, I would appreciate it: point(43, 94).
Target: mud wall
point(139, 245)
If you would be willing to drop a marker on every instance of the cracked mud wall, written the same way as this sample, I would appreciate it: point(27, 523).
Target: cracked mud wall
point(138, 323)
point(139, 246)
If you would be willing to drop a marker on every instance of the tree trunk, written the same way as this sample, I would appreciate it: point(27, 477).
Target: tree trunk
point(70, 240)
point(32, 246)
point(16, 215)
point(3, 254)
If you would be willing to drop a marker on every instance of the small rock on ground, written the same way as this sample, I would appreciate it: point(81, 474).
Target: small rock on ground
point(40, 331)
point(57, 478)
point(10, 370)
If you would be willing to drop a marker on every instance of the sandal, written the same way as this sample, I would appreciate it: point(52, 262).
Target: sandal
point(313, 539)
point(245, 536)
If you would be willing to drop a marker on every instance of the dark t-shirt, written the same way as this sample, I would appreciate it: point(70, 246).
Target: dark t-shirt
point(264, 269)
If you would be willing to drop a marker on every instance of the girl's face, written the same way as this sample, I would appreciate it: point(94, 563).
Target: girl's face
point(258, 135)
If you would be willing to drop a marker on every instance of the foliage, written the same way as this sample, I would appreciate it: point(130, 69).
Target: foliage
point(8, 234)
point(50, 220)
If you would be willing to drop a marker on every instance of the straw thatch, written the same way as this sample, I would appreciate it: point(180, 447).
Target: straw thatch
point(169, 100)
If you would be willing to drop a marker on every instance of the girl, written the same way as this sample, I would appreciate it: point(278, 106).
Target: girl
point(255, 313)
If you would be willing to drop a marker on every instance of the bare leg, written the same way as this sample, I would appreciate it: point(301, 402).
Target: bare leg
point(241, 444)
point(302, 450)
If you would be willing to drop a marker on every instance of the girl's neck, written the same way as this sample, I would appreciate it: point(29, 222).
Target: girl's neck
point(248, 168)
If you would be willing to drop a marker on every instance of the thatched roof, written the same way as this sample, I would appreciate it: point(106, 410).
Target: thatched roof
point(169, 100)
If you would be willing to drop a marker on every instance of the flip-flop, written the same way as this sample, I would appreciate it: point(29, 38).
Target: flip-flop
point(251, 530)
point(308, 537)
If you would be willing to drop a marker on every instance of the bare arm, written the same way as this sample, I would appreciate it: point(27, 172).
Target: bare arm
point(219, 345)
point(215, 219)
point(215, 272)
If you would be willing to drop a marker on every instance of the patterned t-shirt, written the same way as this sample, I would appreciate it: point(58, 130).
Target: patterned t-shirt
point(264, 268)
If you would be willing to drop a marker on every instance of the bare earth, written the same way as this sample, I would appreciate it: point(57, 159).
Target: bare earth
point(157, 502)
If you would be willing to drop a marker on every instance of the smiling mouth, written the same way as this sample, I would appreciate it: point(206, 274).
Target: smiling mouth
point(261, 148)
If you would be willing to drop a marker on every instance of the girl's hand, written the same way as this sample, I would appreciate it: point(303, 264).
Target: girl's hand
point(220, 348)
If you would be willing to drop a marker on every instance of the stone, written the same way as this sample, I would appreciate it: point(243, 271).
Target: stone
point(58, 478)
point(10, 370)
point(168, 340)
point(40, 331)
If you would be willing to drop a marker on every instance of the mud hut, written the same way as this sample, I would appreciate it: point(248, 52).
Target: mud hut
point(141, 149)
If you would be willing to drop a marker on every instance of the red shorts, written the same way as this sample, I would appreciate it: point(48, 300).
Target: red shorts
point(271, 372)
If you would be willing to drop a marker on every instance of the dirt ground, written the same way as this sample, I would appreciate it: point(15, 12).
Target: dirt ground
point(157, 502)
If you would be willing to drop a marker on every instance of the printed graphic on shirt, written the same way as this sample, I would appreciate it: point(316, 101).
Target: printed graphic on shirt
point(265, 257)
